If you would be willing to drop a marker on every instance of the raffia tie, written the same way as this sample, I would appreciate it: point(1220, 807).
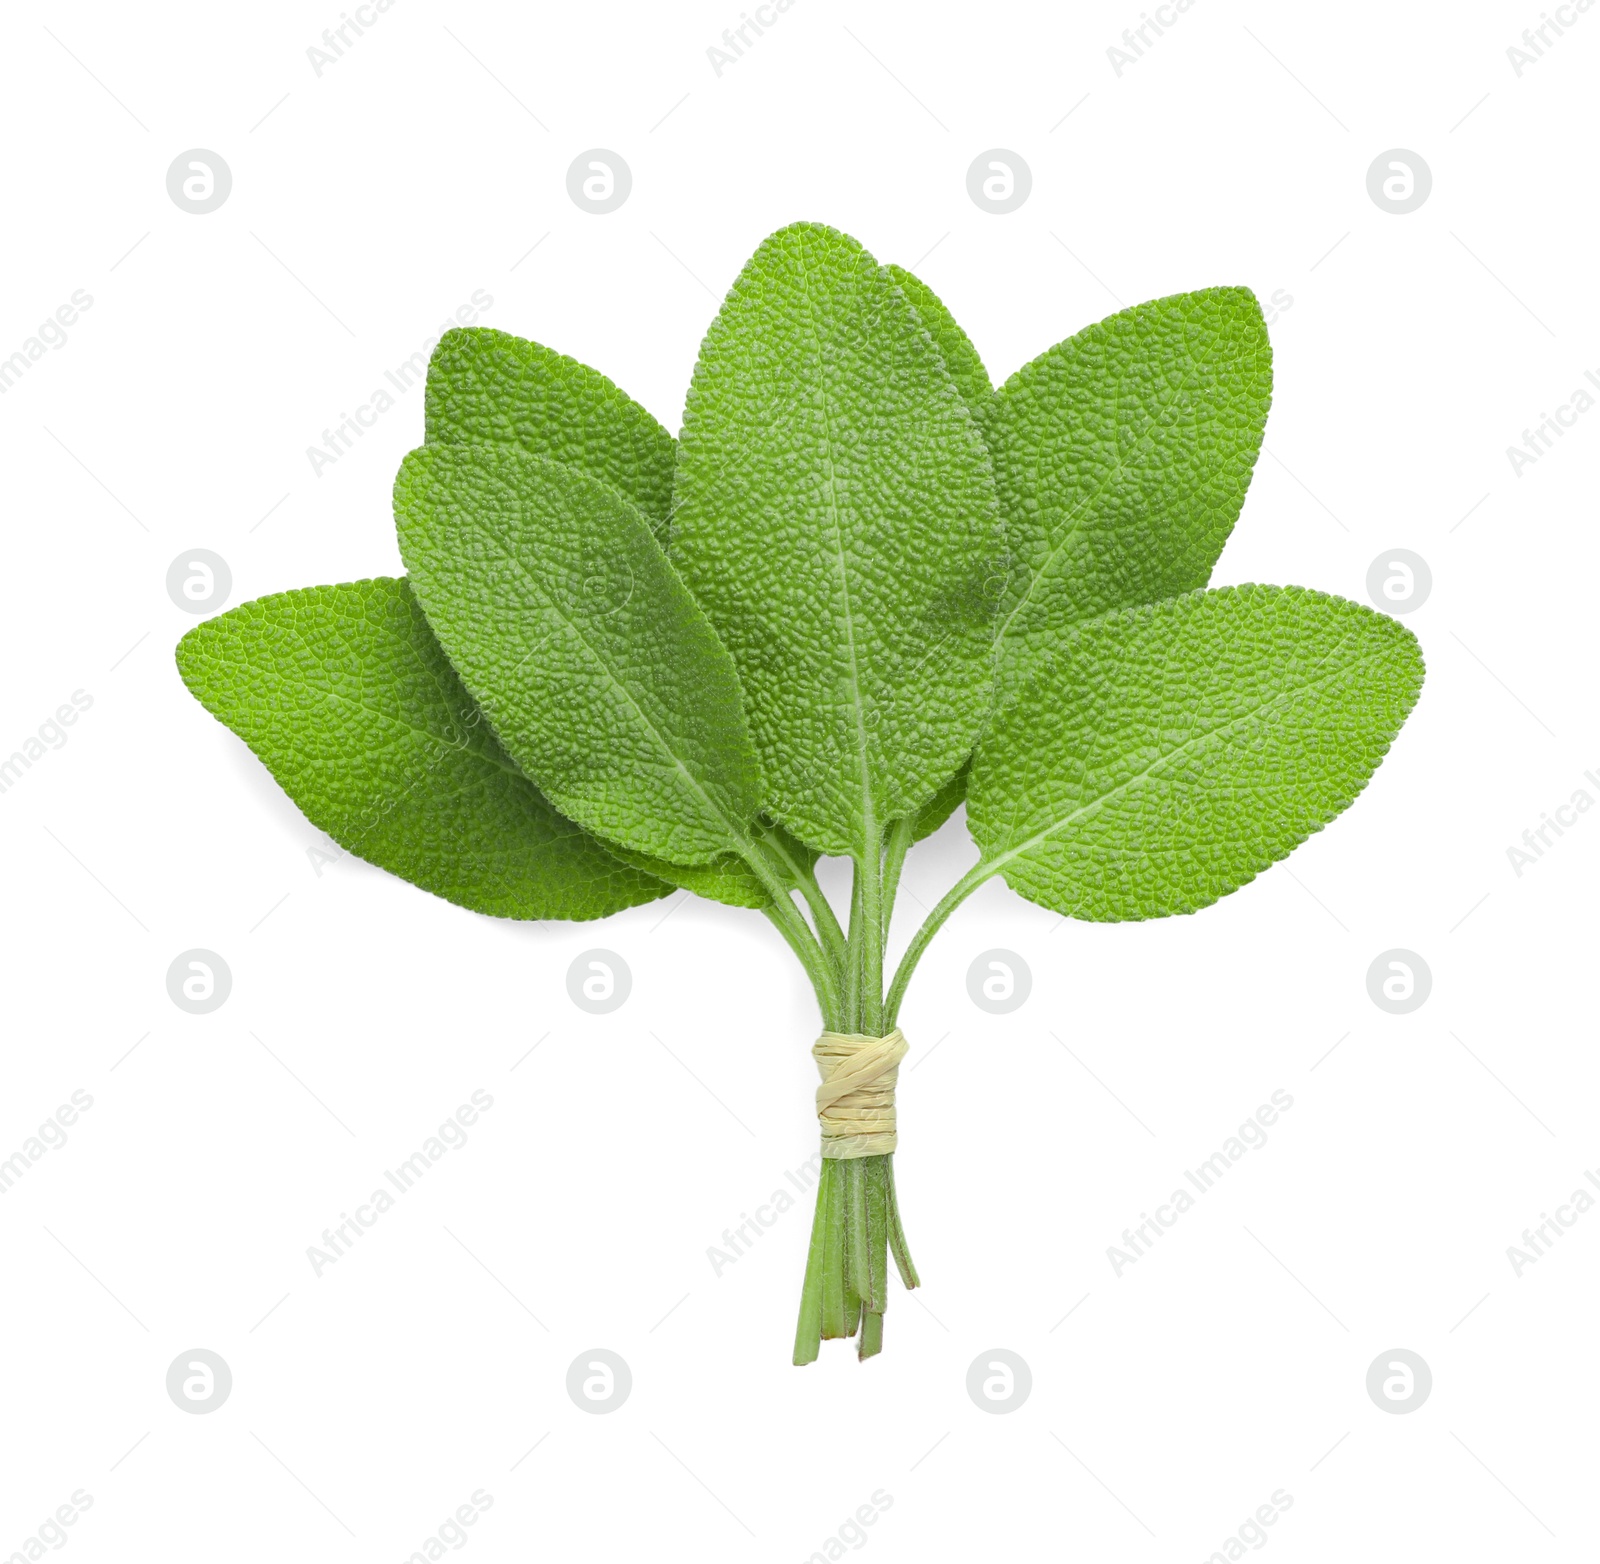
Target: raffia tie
point(855, 1103)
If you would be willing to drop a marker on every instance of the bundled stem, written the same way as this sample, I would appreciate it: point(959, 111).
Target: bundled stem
point(857, 1224)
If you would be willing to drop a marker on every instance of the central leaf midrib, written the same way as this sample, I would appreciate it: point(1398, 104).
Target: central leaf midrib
point(868, 816)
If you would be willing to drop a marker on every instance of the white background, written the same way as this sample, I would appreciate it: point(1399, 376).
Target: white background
point(367, 205)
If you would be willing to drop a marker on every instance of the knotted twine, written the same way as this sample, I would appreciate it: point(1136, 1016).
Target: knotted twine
point(855, 1103)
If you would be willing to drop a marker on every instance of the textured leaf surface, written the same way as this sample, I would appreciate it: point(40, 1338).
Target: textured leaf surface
point(834, 514)
point(487, 387)
point(588, 655)
point(1162, 757)
point(348, 700)
point(730, 880)
point(1122, 457)
point(941, 806)
point(960, 356)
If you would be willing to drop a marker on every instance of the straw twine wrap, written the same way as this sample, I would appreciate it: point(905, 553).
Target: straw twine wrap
point(855, 1102)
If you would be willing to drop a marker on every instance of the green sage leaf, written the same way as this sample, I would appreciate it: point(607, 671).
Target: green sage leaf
point(834, 514)
point(347, 699)
point(1160, 757)
point(572, 630)
point(487, 387)
point(1122, 457)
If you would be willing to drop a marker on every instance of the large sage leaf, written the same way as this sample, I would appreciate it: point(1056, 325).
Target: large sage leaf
point(955, 346)
point(835, 516)
point(1122, 457)
point(587, 653)
point(348, 700)
point(487, 387)
point(1160, 757)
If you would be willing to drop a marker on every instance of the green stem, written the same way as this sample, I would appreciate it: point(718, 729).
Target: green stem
point(852, 976)
point(804, 878)
point(808, 1332)
point(857, 1223)
point(869, 877)
point(894, 858)
point(803, 943)
point(897, 1232)
point(958, 893)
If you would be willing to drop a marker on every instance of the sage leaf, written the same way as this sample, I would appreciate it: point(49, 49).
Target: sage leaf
point(834, 514)
point(347, 699)
point(729, 880)
point(955, 346)
point(1122, 457)
point(571, 629)
point(486, 387)
point(1160, 757)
